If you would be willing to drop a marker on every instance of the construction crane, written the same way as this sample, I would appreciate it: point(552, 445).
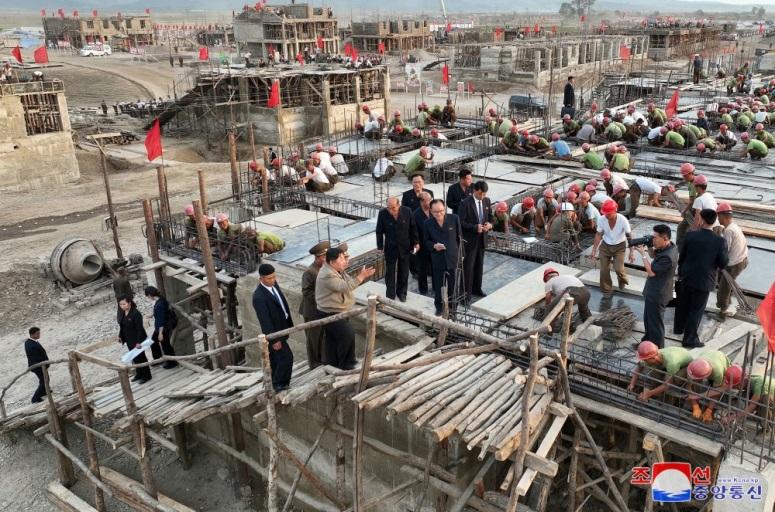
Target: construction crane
point(444, 11)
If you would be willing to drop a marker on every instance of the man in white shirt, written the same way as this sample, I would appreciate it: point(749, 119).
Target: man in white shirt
point(555, 287)
point(383, 169)
point(321, 152)
point(738, 258)
point(588, 214)
point(613, 233)
point(704, 201)
point(651, 189)
point(282, 172)
point(337, 161)
point(326, 167)
point(655, 136)
point(586, 133)
point(522, 215)
point(315, 180)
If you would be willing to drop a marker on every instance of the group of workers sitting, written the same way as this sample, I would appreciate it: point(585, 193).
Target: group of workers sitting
point(318, 173)
point(375, 126)
point(705, 377)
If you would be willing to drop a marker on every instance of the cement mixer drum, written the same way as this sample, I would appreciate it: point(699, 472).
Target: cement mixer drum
point(76, 261)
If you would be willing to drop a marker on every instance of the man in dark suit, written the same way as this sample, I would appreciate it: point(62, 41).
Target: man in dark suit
point(457, 192)
point(476, 220)
point(36, 354)
point(569, 94)
point(397, 239)
point(274, 315)
point(308, 307)
point(442, 238)
point(423, 257)
point(702, 255)
point(411, 198)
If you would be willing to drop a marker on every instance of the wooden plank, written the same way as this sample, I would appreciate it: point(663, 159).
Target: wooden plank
point(543, 450)
point(177, 262)
point(749, 227)
point(122, 485)
point(65, 500)
point(681, 437)
point(153, 266)
point(521, 293)
point(735, 203)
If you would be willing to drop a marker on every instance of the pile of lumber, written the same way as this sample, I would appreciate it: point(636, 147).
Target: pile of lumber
point(34, 416)
point(478, 396)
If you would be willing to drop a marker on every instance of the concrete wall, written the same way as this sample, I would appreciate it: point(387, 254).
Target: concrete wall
point(29, 162)
point(245, 31)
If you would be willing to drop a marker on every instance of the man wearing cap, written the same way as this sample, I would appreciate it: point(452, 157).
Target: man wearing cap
point(556, 286)
point(564, 228)
point(396, 121)
point(325, 166)
point(397, 240)
point(701, 256)
point(560, 148)
point(522, 214)
point(505, 126)
point(754, 148)
point(587, 213)
point(696, 68)
point(660, 263)
point(384, 169)
point(656, 116)
point(510, 142)
point(591, 159)
point(448, 116)
point(737, 248)
point(460, 190)
point(569, 127)
point(418, 162)
point(702, 121)
point(703, 201)
point(587, 132)
point(423, 120)
point(706, 145)
point(228, 234)
point(422, 259)
point(765, 136)
point(613, 233)
point(274, 315)
point(500, 217)
point(687, 173)
point(476, 220)
point(334, 294)
point(545, 209)
point(670, 363)
point(308, 307)
point(411, 198)
point(760, 394)
point(708, 370)
point(649, 187)
point(442, 236)
point(189, 224)
point(337, 161)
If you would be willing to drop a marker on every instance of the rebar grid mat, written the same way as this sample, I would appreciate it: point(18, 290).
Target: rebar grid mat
point(535, 250)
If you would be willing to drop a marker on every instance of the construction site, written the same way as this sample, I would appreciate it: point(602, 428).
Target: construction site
point(498, 403)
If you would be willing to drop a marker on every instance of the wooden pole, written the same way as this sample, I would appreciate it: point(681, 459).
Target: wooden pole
point(180, 435)
point(72, 459)
point(235, 185)
point(65, 465)
point(226, 358)
point(271, 486)
point(573, 471)
point(202, 189)
point(111, 211)
point(340, 454)
point(238, 441)
point(566, 328)
point(253, 143)
point(138, 432)
point(86, 418)
point(164, 205)
point(265, 181)
point(371, 336)
point(153, 246)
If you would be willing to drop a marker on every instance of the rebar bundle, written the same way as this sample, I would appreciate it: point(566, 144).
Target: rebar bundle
point(617, 323)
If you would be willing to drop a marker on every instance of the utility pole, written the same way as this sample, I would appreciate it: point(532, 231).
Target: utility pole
point(111, 212)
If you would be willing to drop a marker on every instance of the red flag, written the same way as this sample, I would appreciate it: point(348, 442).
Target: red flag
point(147, 10)
point(354, 53)
point(445, 74)
point(470, 87)
point(554, 29)
point(381, 47)
point(583, 18)
point(536, 28)
point(348, 49)
point(274, 95)
point(766, 314)
point(672, 106)
point(761, 28)
point(300, 58)
point(204, 53)
point(75, 14)
point(94, 13)
point(320, 42)
point(624, 53)
point(449, 28)
point(41, 55)
point(42, 13)
point(153, 141)
point(17, 54)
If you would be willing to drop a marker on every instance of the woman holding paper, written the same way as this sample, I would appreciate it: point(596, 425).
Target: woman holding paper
point(132, 334)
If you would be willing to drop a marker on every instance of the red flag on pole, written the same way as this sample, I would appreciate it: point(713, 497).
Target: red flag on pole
point(445, 74)
point(672, 106)
point(624, 53)
point(536, 28)
point(42, 13)
point(320, 42)
point(583, 18)
point(348, 49)
point(75, 14)
point(147, 10)
point(354, 53)
point(300, 58)
point(94, 13)
point(470, 87)
point(449, 28)
point(381, 47)
point(153, 141)
point(766, 314)
point(274, 95)
point(17, 54)
point(204, 53)
point(41, 55)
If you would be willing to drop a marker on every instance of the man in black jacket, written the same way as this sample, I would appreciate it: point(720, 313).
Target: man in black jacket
point(658, 290)
point(476, 220)
point(36, 354)
point(411, 198)
point(274, 315)
point(423, 257)
point(397, 239)
point(703, 254)
point(457, 192)
point(442, 238)
point(569, 94)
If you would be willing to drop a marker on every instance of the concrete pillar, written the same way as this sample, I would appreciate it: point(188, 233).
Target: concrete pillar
point(357, 85)
point(326, 107)
point(244, 97)
point(583, 53)
point(538, 53)
point(386, 92)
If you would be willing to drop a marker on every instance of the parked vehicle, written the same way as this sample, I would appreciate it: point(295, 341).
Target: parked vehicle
point(528, 105)
point(96, 50)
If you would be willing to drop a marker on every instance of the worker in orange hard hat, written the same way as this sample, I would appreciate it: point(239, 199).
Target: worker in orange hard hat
point(500, 217)
point(659, 369)
point(522, 214)
point(556, 286)
point(761, 391)
point(396, 121)
point(706, 382)
point(613, 234)
point(687, 173)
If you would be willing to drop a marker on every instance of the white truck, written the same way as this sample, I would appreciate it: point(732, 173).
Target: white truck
point(96, 50)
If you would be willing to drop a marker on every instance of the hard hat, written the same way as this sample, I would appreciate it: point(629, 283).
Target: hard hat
point(622, 149)
point(584, 195)
point(733, 376)
point(534, 138)
point(700, 179)
point(723, 111)
point(487, 119)
point(566, 206)
point(663, 130)
point(592, 182)
point(277, 162)
point(189, 209)
point(420, 107)
point(605, 174)
point(513, 129)
point(416, 132)
point(253, 166)
point(759, 127)
point(606, 120)
point(619, 188)
point(585, 147)
point(609, 206)
point(566, 117)
point(424, 105)
point(529, 202)
point(434, 132)
point(555, 136)
point(501, 207)
point(332, 149)
point(700, 147)
point(724, 208)
point(570, 196)
point(686, 168)
point(575, 188)
point(397, 113)
point(700, 113)
point(590, 187)
point(493, 112)
point(647, 350)
point(315, 156)
point(525, 133)
point(699, 369)
point(365, 108)
point(744, 136)
point(593, 106)
point(424, 150)
point(669, 126)
point(319, 146)
point(549, 193)
point(399, 129)
point(549, 272)
point(221, 217)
